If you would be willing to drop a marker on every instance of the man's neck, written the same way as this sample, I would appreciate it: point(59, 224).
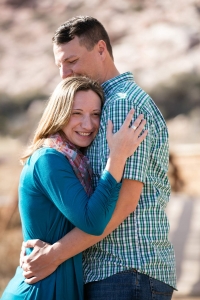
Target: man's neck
point(110, 72)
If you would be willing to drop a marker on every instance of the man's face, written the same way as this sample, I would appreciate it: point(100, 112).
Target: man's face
point(73, 59)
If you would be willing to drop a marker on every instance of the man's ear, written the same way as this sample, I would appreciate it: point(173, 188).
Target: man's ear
point(102, 49)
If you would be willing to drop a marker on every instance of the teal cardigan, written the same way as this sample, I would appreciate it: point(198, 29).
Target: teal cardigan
point(52, 202)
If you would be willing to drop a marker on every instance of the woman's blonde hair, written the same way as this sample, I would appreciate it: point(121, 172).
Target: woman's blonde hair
point(58, 110)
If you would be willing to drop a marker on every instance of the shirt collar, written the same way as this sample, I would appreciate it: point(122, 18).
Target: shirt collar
point(110, 85)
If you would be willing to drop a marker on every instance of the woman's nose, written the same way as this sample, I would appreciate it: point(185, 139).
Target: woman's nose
point(87, 123)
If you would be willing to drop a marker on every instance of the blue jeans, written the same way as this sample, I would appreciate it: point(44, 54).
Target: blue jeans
point(128, 285)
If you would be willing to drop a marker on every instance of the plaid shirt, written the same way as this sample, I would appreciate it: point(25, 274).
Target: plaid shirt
point(141, 241)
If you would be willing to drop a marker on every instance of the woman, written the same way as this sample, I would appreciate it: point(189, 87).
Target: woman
point(55, 191)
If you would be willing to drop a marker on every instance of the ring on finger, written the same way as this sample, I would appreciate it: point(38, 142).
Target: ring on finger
point(133, 127)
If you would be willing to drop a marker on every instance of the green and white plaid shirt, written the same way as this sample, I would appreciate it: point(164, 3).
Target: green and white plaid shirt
point(141, 241)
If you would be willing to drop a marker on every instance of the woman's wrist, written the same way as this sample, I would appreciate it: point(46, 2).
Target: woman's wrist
point(115, 165)
point(57, 254)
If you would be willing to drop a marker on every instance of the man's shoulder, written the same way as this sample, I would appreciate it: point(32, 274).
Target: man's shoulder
point(133, 96)
point(130, 94)
point(129, 91)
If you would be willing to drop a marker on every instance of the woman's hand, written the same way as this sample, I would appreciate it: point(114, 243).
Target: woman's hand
point(123, 143)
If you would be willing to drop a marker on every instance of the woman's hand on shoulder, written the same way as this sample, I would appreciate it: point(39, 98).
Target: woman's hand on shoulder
point(124, 142)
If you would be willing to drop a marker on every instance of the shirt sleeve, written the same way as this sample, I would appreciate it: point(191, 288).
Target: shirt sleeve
point(55, 177)
point(136, 167)
point(150, 158)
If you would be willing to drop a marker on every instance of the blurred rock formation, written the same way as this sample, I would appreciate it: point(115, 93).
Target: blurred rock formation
point(159, 41)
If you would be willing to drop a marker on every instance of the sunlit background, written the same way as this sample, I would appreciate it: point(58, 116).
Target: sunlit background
point(159, 41)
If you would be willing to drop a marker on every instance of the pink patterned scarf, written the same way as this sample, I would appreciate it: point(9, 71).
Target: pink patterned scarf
point(78, 161)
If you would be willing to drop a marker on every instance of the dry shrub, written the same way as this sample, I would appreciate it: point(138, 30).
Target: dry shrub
point(11, 239)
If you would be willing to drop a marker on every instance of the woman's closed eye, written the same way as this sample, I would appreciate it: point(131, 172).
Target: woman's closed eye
point(97, 114)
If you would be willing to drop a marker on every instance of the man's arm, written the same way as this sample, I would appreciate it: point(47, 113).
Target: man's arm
point(46, 258)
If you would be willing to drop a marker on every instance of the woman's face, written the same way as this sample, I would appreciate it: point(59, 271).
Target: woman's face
point(84, 122)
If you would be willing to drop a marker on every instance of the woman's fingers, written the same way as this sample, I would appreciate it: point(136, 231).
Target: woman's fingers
point(27, 274)
point(138, 130)
point(30, 243)
point(126, 123)
point(31, 280)
point(127, 139)
point(137, 122)
point(140, 127)
point(142, 137)
point(109, 131)
point(128, 119)
point(22, 255)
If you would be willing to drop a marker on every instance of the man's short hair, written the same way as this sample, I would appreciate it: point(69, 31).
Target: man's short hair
point(88, 29)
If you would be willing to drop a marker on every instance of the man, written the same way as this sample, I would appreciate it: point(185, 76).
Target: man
point(133, 258)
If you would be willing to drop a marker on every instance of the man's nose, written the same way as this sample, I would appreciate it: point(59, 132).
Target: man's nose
point(64, 73)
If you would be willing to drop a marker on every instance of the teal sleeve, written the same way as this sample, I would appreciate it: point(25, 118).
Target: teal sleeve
point(54, 176)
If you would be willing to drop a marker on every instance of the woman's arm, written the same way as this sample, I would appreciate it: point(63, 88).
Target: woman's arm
point(55, 178)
